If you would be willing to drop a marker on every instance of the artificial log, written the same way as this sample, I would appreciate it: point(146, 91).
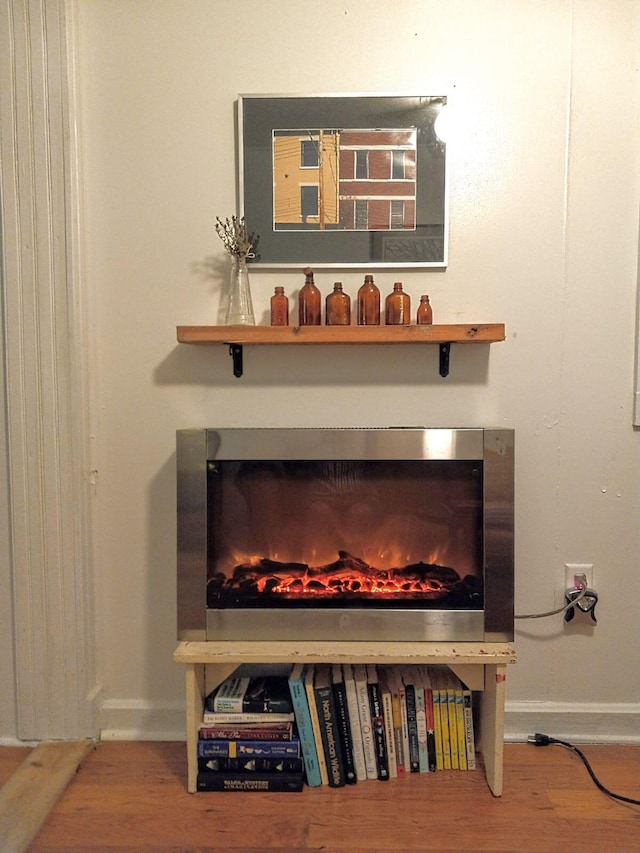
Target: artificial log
point(348, 577)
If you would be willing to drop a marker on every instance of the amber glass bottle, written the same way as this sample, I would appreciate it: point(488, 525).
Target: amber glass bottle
point(398, 307)
point(338, 307)
point(368, 303)
point(279, 308)
point(309, 303)
point(425, 312)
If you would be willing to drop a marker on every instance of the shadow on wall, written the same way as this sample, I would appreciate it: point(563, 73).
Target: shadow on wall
point(211, 365)
point(160, 605)
point(217, 271)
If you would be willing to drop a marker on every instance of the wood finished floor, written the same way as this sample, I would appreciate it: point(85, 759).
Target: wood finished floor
point(132, 797)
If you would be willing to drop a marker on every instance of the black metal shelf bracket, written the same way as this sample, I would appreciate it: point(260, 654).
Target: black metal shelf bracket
point(235, 351)
point(445, 351)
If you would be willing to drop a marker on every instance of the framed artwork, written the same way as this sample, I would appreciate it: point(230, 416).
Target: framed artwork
point(346, 181)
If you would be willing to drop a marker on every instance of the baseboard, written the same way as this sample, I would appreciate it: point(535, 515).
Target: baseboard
point(138, 719)
point(579, 722)
point(575, 722)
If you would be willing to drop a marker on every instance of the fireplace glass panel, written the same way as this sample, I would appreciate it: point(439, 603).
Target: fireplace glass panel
point(341, 533)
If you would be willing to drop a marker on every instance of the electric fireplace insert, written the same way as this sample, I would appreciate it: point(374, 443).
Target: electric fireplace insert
point(351, 534)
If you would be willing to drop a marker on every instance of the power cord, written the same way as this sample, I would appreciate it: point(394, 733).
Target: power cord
point(544, 740)
point(563, 609)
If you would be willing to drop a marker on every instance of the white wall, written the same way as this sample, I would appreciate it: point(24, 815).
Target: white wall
point(544, 199)
point(7, 699)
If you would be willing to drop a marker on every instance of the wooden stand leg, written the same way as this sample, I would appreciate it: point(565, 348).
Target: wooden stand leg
point(200, 679)
point(492, 724)
point(194, 692)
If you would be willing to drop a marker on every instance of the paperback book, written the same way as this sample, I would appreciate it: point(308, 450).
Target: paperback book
point(252, 748)
point(328, 725)
point(304, 724)
point(449, 691)
point(467, 701)
point(309, 676)
point(387, 713)
point(462, 744)
point(421, 720)
point(262, 694)
point(377, 723)
point(343, 723)
point(440, 690)
point(408, 677)
point(354, 721)
point(247, 731)
point(230, 781)
point(428, 704)
point(394, 681)
point(249, 764)
point(364, 711)
point(437, 727)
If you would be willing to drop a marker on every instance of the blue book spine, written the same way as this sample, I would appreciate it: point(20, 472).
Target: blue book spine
point(305, 728)
point(243, 748)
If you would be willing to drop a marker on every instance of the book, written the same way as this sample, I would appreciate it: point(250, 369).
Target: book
point(377, 723)
point(462, 744)
point(428, 706)
point(230, 781)
point(229, 694)
point(309, 675)
point(257, 694)
point(421, 721)
point(255, 748)
point(412, 721)
point(441, 715)
point(449, 690)
point(364, 713)
point(249, 764)
point(393, 680)
point(328, 725)
point(467, 702)
point(230, 718)
point(402, 696)
point(343, 728)
point(387, 713)
point(247, 731)
point(305, 727)
point(354, 721)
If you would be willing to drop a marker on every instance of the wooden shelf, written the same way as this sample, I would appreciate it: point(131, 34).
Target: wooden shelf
point(340, 651)
point(455, 334)
point(235, 337)
point(482, 666)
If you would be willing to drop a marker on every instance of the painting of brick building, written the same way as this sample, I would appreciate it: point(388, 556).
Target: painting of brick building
point(349, 180)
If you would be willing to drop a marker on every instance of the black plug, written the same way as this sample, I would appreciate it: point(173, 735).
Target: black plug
point(539, 740)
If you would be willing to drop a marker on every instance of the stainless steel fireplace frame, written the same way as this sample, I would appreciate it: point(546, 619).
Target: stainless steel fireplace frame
point(493, 447)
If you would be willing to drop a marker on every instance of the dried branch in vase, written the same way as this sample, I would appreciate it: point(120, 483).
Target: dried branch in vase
point(236, 238)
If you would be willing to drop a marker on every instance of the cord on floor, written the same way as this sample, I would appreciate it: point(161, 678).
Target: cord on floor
point(544, 740)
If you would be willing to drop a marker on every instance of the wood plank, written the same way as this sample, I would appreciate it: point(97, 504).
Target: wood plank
point(491, 734)
point(449, 333)
point(344, 652)
point(11, 757)
point(195, 692)
point(34, 789)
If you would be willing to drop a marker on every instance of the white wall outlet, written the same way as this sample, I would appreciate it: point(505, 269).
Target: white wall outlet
point(573, 569)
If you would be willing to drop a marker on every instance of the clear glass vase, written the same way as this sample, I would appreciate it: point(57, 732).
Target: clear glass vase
point(240, 311)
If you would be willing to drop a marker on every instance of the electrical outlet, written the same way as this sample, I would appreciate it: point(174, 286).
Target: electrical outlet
point(574, 569)
point(579, 576)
